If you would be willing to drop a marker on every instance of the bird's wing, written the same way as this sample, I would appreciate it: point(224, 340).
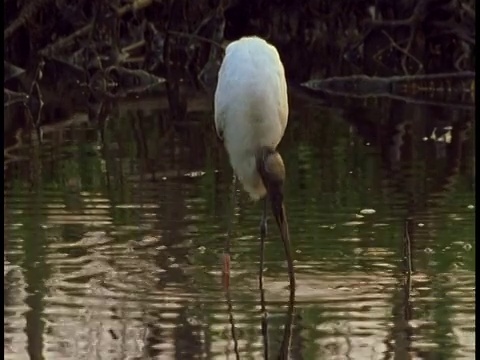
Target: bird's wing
point(219, 122)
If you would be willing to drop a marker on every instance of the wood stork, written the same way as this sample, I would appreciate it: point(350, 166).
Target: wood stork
point(251, 111)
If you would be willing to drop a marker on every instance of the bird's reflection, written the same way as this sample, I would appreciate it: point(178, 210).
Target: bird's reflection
point(228, 297)
point(263, 309)
point(284, 350)
point(287, 331)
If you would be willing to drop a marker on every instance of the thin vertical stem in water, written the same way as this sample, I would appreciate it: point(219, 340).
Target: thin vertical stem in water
point(407, 249)
point(408, 270)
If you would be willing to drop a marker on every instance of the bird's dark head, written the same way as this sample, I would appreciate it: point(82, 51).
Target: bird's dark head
point(272, 171)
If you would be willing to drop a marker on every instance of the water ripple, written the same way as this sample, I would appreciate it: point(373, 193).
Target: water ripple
point(115, 252)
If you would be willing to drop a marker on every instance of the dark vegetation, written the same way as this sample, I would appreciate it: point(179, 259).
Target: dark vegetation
point(88, 53)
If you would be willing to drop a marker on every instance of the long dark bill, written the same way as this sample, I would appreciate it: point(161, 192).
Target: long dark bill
point(278, 209)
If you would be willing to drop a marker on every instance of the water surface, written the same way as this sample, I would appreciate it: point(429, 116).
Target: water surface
point(112, 247)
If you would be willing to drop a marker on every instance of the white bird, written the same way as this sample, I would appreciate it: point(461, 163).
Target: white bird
point(251, 114)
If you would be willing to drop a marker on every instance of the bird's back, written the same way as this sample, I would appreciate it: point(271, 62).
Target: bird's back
point(251, 105)
point(252, 90)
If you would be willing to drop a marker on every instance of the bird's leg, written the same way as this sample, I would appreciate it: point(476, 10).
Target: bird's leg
point(263, 233)
point(226, 252)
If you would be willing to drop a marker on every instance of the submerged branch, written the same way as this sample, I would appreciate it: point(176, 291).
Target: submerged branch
point(450, 89)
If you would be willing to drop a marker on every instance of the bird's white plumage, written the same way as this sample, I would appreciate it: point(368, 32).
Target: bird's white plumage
point(251, 106)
